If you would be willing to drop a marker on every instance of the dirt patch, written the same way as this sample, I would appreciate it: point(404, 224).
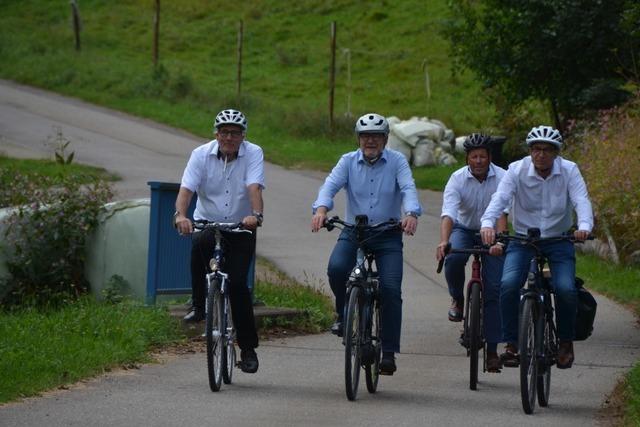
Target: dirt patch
point(611, 414)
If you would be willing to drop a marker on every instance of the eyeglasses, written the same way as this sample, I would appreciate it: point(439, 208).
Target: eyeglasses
point(231, 133)
point(540, 150)
point(372, 136)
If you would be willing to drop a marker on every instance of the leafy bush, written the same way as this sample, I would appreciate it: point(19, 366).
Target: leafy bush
point(609, 160)
point(46, 240)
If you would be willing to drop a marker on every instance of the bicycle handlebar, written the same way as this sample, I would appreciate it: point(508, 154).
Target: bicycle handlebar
point(233, 227)
point(479, 250)
point(391, 224)
point(532, 240)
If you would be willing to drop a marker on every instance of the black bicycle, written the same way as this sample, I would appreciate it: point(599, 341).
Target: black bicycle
point(361, 335)
point(219, 330)
point(472, 331)
point(537, 334)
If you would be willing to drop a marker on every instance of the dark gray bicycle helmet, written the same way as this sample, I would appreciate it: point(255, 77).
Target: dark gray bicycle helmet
point(372, 123)
point(477, 140)
point(230, 117)
point(545, 134)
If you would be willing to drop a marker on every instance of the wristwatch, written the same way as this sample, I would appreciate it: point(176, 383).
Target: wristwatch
point(413, 214)
point(176, 214)
point(258, 216)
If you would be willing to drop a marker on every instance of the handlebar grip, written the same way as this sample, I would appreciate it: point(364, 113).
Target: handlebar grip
point(441, 262)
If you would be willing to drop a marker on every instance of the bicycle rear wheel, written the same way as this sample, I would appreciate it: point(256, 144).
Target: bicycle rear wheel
point(544, 369)
point(352, 335)
point(229, 355)
point(214, 334)
point(372, 370)
point(475, 339)
point(527, 348)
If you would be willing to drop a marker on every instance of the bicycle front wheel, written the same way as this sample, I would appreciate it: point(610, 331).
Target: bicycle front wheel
point(229, 356)
point(544, 368)
point(527, 348)
point(372, 370)
point(352, 337)
point(474, 330)
point(214, 333)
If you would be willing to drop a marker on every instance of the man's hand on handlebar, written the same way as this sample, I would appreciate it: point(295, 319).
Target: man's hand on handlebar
point(581, 235)
point(488, 235)
point(183, 225)
point(409, 225)
point(318, 220)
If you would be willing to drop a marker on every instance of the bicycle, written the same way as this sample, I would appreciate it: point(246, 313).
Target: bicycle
point(362, 327)
point(472, 330)
point(538, 341)
point(219, 330)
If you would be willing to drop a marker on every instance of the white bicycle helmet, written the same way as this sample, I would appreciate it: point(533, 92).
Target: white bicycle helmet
point(372, 123)
point(230, 117)
point(545, 134)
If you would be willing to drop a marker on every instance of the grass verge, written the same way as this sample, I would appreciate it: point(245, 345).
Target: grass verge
point(44, 350)
point(620, 284)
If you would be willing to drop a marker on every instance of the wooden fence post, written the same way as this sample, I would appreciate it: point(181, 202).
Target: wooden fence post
point(76, 22)
point(332, 76)
point(156, 33)
point(239, 75)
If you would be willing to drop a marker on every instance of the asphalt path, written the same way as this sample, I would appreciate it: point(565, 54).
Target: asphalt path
point(301, 379)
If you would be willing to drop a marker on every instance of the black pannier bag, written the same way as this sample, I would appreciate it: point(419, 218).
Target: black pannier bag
point(586, 314)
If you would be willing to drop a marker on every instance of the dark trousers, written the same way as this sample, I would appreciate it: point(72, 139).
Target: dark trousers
point(239, 249)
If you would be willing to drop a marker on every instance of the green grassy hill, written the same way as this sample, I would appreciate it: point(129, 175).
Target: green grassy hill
point(285, 65)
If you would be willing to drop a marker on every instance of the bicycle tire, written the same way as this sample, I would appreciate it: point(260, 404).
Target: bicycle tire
point(474, 301)
point(372, 370)
point(544, 371)
point(352, 335)
point(214, 336)
point(229, 347)
point(528, 359)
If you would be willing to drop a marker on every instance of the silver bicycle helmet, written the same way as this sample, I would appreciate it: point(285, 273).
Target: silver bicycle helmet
point(230, 117)
point(372, 123)
point(477, 140)
point(544, 134)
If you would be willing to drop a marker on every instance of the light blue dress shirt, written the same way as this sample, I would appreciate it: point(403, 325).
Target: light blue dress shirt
point(382, 191)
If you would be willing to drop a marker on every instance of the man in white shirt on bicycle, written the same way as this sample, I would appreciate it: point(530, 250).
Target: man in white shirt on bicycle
point(378, 183)
point(466, 196)
point(228, 176)
point(544, 190)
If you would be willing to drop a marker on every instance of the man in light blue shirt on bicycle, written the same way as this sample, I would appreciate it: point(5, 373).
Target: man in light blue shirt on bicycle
point(379, 184)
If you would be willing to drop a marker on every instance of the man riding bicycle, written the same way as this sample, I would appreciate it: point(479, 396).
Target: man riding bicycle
point(544, 189)
point(379, 184)
point(466, 196)
point(228, 176)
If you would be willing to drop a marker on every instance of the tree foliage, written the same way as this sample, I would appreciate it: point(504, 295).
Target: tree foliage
point(570, 54)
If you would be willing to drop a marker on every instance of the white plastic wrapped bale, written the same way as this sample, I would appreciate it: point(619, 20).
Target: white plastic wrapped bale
point(449, 138)
point(460, 144)
point(423, 153)
point(395, 143)
point(393, 120)
point(412, 131)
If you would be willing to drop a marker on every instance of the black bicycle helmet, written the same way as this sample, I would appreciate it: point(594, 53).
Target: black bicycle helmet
point(477, 140)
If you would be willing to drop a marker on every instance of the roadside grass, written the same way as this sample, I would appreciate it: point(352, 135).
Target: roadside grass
point(276, 289)
point(619, 283)
point(45, 350)
point(35, 168)
point(285, 66)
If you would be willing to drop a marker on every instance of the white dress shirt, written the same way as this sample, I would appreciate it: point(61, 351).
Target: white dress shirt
point(547, 204)
point(465, 198)
point(222, 188)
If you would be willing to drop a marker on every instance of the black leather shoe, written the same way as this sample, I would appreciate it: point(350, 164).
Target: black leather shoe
point(387, 364)
point(249, 361)
point(337, 329)
point(194, 315)
point(455, 311)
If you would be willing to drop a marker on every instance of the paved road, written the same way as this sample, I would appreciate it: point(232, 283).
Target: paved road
point(300, 381)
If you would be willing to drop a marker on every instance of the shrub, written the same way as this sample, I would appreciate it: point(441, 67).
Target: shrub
point(46, 241)
point(609, 158)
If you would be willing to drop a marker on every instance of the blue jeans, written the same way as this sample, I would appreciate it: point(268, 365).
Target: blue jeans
point(562, 262)
point(454, 271)
point(387, 249)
